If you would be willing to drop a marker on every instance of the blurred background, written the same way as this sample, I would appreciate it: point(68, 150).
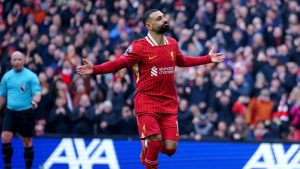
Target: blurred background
point(253, 96)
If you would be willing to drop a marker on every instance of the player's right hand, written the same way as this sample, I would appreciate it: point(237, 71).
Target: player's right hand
point(216, 57)
point(86, 68)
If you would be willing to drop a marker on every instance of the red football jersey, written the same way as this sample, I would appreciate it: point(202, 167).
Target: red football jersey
point(153, 66)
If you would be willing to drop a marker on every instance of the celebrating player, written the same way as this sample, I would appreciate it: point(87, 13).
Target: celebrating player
point(153, 60)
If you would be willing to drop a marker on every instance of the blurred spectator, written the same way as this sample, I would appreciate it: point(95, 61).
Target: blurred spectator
point(199, 92)
point(61, 90)
point(189, 44)
point(295, 120)
point(185, 118)
point(223, 107)
point(221, 131)
point(260, 132)
point(69, 12)
point(181, 85)
point(40, 127)
point(35, 9)
point(239, 107)
point(284, 77)
point(44, 106)
point(239, 86)
point(276, 90)
point(294, 95)
point(121, 26)
point(212, 116)
point(260, 83)
point(60, 118)
point(269, 68)
point(83, 117)
point(118, 97)
point(238, 129)
point(260, 108)
point(203, 127)
point(79, 91)
point(107, 120)
point(219, 83)
point(127, 124)
point(66, 73)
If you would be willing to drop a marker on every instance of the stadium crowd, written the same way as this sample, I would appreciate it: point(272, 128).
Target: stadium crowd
point(253, 95)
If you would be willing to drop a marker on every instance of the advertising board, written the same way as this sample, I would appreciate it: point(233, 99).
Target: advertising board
point(80, 153)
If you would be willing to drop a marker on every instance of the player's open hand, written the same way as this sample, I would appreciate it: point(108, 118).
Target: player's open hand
point(86, 68)
point(216, 57)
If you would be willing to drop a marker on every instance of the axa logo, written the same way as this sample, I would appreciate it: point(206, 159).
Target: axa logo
point(275, 156)
point(154, 71)
point(76, 154)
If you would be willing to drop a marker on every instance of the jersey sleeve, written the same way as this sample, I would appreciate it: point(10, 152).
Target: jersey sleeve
point(188, 61)
point(132, 55)
point(127, 60)
point(3, 87)
point(35, 85)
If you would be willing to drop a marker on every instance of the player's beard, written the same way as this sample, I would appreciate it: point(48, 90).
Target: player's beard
point(164, 28)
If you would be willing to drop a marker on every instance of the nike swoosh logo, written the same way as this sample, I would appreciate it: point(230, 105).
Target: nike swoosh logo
point(152, 57)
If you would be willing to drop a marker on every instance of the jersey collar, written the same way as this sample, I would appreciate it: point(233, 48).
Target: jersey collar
point(153, 42)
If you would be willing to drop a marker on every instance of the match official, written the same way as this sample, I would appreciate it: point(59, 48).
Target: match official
point(21, 89)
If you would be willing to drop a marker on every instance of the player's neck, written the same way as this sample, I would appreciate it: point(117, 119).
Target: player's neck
point(159, 38)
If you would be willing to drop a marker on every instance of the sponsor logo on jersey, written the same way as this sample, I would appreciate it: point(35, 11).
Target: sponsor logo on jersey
point(162, 71)
point(154, 71)
point(166, 70)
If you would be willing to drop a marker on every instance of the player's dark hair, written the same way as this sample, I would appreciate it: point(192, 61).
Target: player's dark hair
point(146, 15)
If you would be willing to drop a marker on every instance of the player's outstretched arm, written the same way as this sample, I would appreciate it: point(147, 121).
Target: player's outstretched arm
point(108, 67)
point(187, 61)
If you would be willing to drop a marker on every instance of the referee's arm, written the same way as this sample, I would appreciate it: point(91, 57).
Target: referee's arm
point(35, 101)
point(36, 91)
point(3, 92)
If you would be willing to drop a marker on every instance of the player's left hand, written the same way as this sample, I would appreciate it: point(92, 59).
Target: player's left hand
point(34, 104)
point(216, 57)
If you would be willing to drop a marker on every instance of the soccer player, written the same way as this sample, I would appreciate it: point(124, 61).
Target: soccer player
point(22, 90)
point(153, 60)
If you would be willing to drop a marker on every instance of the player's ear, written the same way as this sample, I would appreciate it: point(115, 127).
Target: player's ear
point(148, 26)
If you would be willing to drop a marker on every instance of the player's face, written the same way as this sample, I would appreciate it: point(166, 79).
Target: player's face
point(158, 23)
point(17, 61)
